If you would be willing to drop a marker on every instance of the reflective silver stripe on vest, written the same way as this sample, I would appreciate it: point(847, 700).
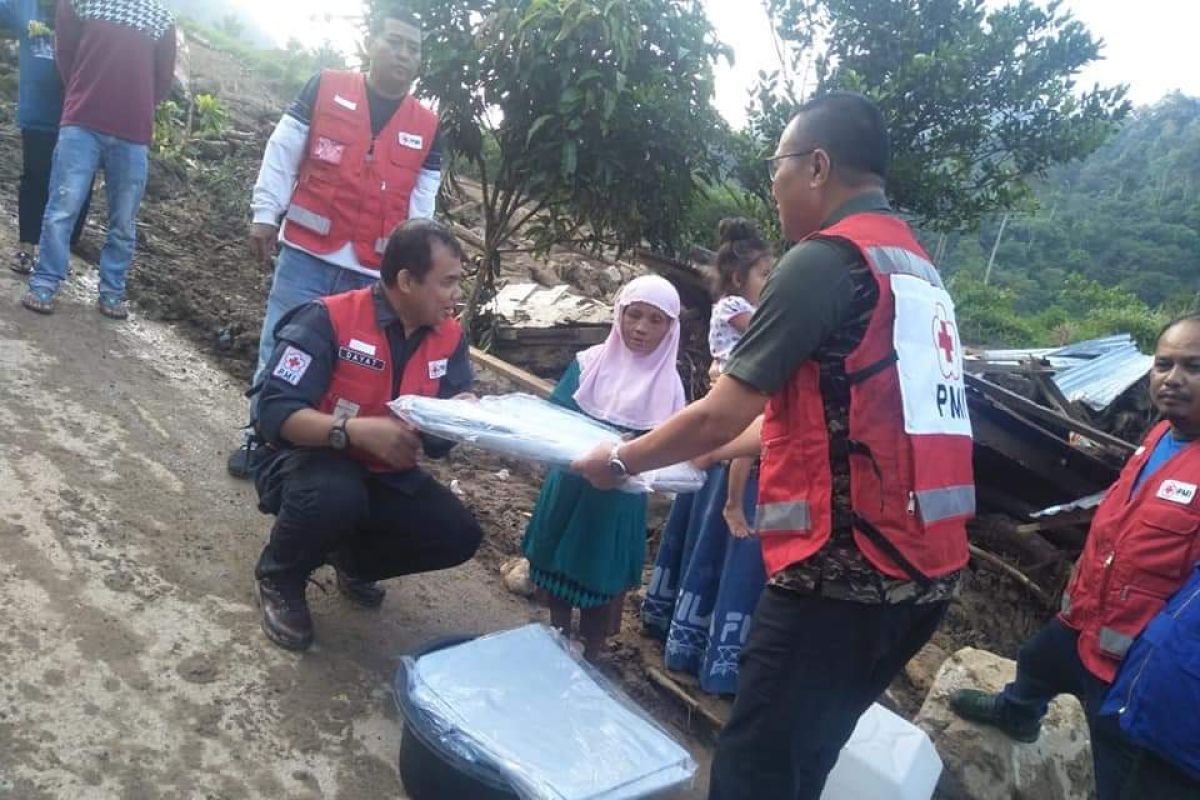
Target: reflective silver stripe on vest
point(1114, 643)
point(783, 517)
point(1066, 603)
point(380, 245)
point(898, 261)
point(952, 501)
point(309, 219)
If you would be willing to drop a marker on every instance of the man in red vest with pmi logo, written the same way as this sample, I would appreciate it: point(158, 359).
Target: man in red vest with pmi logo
point(1143, 544)
point(341, 473)
point(866, 483)
point(353, 157)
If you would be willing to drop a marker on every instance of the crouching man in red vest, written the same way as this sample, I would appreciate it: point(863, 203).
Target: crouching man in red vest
point(866, 481)
point(1143, 544)
point(342, 477)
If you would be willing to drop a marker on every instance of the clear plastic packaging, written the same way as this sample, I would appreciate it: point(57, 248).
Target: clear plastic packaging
point(527, 427)
point(523, 704)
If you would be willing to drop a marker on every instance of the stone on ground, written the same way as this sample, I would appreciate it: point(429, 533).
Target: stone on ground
point(981, 763)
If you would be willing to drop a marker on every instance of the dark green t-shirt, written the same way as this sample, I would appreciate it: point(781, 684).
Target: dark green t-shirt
point(816, 307)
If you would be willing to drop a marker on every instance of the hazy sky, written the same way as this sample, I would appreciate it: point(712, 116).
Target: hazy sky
point(1149, 44)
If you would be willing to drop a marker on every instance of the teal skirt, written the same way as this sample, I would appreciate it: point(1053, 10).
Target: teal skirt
point(585, 546)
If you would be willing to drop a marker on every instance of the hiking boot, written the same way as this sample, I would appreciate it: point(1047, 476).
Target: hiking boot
point(243, 463)
point(22, 263)
point(285, 617)
point(367, 594)
point(987, 709)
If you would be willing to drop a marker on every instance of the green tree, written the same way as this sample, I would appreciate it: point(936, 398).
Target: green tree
point(600, 113)
point(979, 100)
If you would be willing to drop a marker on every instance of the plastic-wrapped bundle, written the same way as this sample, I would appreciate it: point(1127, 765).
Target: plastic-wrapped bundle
point(527, 427)
point(520, 706)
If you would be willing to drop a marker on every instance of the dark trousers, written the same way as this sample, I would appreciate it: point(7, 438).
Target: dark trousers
point(329, 507)
point(37, 156)
point(1049, 665)
point(809, 670)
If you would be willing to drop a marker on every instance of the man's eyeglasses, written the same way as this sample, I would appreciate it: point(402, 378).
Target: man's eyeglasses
point(775, 162)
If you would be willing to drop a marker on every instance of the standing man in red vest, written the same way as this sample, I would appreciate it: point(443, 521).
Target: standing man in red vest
point(1143, 544)
point(341, 474)
point(353, 157)
point(866, 481)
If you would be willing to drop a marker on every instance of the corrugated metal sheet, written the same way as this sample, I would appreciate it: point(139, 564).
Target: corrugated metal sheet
point(1099, 382)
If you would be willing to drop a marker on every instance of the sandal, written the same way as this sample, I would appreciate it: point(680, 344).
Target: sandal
point(22, 263)
point(40, 301)
point(113, 309)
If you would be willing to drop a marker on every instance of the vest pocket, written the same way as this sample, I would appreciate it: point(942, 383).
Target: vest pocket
point(1166, 543)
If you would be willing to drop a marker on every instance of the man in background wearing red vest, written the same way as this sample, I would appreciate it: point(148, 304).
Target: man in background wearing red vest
point(341, 474)
point(353, 157)
point(866, 481)
point(1143, 544)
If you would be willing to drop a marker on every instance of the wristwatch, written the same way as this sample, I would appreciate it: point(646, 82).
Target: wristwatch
point(615, 465)
point(339, 437)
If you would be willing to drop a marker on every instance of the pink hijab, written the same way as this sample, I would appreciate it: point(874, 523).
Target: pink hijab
point(625, 388)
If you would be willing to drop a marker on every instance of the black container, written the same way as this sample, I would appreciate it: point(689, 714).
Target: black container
point(429, 769)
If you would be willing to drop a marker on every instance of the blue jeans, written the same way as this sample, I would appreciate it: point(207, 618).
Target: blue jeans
point(300, 278)
point(79, 153)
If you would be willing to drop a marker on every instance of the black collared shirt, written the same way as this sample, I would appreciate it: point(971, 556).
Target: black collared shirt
point(309, 330)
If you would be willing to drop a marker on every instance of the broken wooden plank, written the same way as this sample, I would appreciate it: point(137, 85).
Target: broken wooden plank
point(1026, 406)
point(665, 682)
point(526, 380)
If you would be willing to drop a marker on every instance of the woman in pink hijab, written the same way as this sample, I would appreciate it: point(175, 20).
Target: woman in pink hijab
point(587, 547)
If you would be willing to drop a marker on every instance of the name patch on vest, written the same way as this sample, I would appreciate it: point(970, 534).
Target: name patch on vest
point(362, 347)
point(361, 359)
point(344, 103)
point(292, 365)
point(437, 369)
point(1177, 492)
point(411, 140)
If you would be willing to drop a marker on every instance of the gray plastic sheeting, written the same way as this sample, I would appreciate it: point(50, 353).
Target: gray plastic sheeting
point(520, 701)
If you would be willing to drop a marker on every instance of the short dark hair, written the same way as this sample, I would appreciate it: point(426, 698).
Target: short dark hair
point(377, 21)
point(1191, 316)
point(741, 247)
point(410, 247)
point(851, 128)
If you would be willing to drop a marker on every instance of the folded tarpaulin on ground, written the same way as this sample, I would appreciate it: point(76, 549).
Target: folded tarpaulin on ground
point(520, 702)
point(527, 427)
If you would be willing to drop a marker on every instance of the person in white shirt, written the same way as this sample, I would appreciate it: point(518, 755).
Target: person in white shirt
point(354, 156)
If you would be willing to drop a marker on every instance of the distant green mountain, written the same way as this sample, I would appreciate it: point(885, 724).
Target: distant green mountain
point(1128, 217)
point(218, 13)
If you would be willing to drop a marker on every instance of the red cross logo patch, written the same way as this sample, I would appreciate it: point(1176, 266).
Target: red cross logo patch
point(945, 342)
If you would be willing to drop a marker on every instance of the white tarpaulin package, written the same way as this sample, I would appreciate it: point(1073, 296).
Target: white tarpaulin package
point(527, 427)
point(521, 702)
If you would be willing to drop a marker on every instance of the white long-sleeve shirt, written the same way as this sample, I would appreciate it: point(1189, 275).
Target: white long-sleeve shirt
point(277, 182)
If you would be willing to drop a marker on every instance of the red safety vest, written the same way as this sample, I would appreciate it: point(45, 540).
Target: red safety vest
point(352, 187)
point(362, 375)
point(1141, 548)
point(911, 482)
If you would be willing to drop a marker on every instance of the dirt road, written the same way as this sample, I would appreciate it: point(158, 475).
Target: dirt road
point(131, 662)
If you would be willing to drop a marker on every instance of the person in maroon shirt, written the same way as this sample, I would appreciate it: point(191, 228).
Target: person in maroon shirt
point(117, 60)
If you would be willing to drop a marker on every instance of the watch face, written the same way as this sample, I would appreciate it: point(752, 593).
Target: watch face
point(616, 468)
point(337, 438)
